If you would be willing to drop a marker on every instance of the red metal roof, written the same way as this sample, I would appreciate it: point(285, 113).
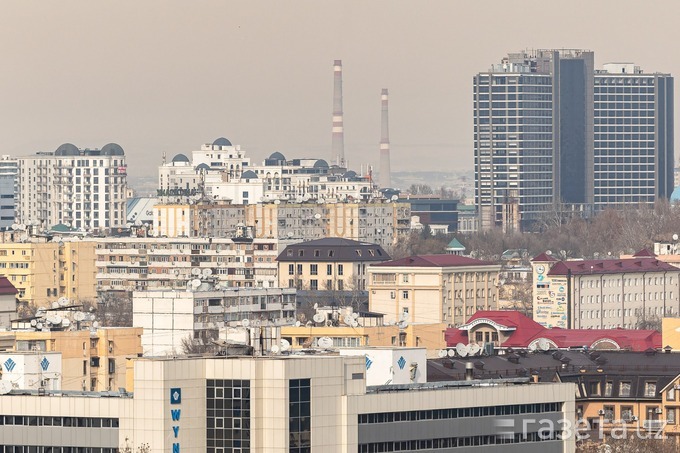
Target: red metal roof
point(527, 331)
point(434, 261)
point(645, 253)
point(543, 257)
point(6, 287)
point(610, 266)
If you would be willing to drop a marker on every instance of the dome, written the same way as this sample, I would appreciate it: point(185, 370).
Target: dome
point(277, 156)
point(180, 158)
point(321, 164)
point(112, 149)
point(203, 167)
point(249, 174)
point(67, 149)
point(350, 174)
point(222, 142)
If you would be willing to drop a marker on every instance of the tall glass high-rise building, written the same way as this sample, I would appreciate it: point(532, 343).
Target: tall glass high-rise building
point(554, 135)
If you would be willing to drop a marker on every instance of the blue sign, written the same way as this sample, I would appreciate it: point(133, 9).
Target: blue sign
point(401, 362)
point(44, 364)
point(175, 395)
point(369, 362)
point(10, 364)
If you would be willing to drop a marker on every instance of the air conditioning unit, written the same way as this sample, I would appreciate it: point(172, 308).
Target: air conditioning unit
point(658, 410)
point(600, 412)
point(634, 418)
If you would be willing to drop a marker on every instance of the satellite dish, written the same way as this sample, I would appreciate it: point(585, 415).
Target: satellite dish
point(95, 324)
point(317, 216)
point(316, 305)
point(55, 304)
point(176, 272)
point(461, 350)
point(207, 272)
point(277, 201)
point(5, 387)
point(245, 322)
point(40, 312)
point(275, 349)
point(195, 271)
point(138, 222)
point(355, 323)
point(441, 353)
point(290, 234)
point(532, 347)
point(33, 322)
point(65, 322)
point(39, 326)
point(15, 226)
point(475, 348)
point(63, 301)
point(543, 344)
point(299, 199)
point(195, 283)
point(347, 319)
point(325, 342)
point(675, 237)
point(79, 316)
point(54, 319)
point(285, 345)
point(450, 352)
point(355, 315)
point(318, 318)
point(405, 316)
point(298, 323)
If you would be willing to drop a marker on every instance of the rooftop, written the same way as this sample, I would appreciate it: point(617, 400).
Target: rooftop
point(435, 261)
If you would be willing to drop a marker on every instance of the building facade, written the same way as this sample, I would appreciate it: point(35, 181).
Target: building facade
point(604, 294)
point(553, 135)
point(82, 188)
point(284, 404)
point(8, 191)
point(432, 288)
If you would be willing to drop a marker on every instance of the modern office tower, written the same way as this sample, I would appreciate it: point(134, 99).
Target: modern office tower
point(338, 145)
point(8, 190)
point(79, 188)
point(552, 136)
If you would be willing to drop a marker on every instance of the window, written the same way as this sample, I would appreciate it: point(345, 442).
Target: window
point(624, 388)
point(650, 389)
point(608, 388)
point(670, 394)
point(340, 269)
point(479, 336)
point(627, 413)
point(404, 278)
point(670, 415)
point(329, 269)
point(314, 269)
point(314, 284)
point(291, 269)
point(404, 294)
point(300, 425)
point(593, 388)
point(299, 268)
point(608, 414)
point(341, 285)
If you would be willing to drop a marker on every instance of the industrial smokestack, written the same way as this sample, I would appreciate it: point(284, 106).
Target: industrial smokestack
point(385, 171)
point(338, 130)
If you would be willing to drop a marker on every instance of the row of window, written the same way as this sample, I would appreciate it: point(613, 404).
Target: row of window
point(73, 422)
point(616, 282)
point(314, 269)
point(44, 449)
point(453, 442)
point(463, 412)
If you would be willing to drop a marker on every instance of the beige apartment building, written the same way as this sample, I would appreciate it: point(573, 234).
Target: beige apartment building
point(604, 294)
point(432, 289)
point(42, 272)
point(137, 264)
point(91, 360)
point(330, 264)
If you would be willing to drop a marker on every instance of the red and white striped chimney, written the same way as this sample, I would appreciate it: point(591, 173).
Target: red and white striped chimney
point(338, 129)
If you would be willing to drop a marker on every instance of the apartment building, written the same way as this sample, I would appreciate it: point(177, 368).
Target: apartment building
point(432, 288)
point(129, 264)
point(290, 403)
point(201, 219)
point(604, 294)
point(81, 188)
point(8, 191)
point(42, 272)
point(91, 360)
point(329, 264)
point(8, 302)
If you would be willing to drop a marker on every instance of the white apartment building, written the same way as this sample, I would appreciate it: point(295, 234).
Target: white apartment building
point(8, 191)
point(301, 404)
point(84, 189)
point(221, 171)
point(136, 264)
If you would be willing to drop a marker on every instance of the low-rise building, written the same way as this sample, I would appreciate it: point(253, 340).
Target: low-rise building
point(290, 403)
point(432, 289)
point(8, 302)
point(604, 294)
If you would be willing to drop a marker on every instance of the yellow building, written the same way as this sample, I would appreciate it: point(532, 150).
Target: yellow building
point(42, 272)
point(90, 361)
point(670, 333)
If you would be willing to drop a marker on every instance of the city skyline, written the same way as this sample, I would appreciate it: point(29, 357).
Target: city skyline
point(163, 79)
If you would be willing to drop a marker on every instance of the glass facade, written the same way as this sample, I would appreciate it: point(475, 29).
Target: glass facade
point(228, 416)
point(300, 420)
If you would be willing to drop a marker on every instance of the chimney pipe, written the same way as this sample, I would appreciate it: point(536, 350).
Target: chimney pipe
point(338, 128)
point(469, 371)
point(385, 170)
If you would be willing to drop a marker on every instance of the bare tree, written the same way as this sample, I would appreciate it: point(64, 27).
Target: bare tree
point(201, 345)
point(112, 309)
point(128, 448)
point(634, 442)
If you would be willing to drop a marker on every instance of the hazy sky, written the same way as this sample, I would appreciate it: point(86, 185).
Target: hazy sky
point(169, 75)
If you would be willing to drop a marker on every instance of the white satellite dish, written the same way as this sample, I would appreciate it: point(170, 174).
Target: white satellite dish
point(15, 226)
point(405, 316)
point(318, 318)
point(245, 322)
point(355, 315)
point(277, 201)
point(402, 324)
point(54, 319)
point(290, 234)
point(207, 272)
point(33, 322)
point(285, 345)
point(63, 301)
point(347, 319)
point(441, 353)
point(40, 312)
point(298, 323)
point(39, 326)
point(299, 199)
point(461, 350)
point(79, 316)
point(95, 324)
point(317, 216)
point(65, 322)
point(532, 347)
point(195, 283)
point(275, 349)
point(475, 349)
point(394, 198)
point(5, 387)
point(195, 271)
point(543, 344)
point(450, 352)
point(325, 342)
point(55, 304)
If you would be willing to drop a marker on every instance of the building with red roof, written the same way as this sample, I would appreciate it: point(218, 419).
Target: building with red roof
point(431, 289)
point(604, 293)
point(512, 329)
